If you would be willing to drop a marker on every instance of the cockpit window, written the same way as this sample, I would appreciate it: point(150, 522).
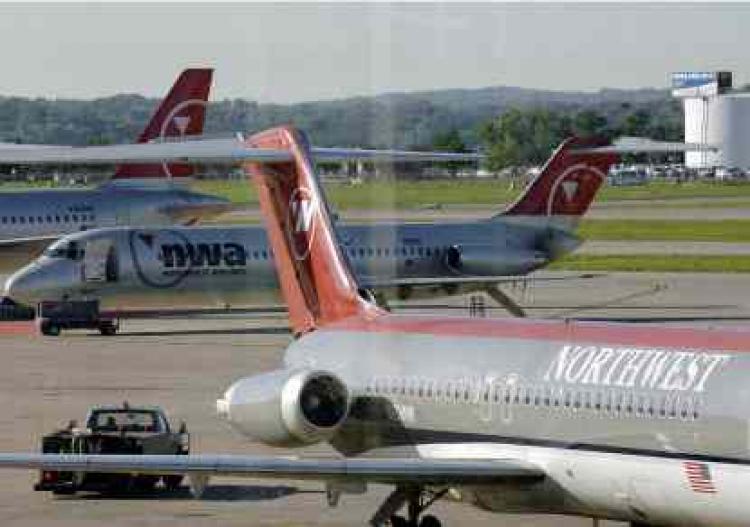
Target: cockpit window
point(68, 250)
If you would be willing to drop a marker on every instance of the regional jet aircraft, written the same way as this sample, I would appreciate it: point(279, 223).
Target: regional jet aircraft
point(29, 221)
point(634, 423)
point(138, 268)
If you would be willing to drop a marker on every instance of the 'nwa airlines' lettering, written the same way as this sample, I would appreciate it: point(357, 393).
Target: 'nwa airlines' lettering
point(203, 255)
point(655, 369)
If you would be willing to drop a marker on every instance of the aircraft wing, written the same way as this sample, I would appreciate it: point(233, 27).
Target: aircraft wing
point(465, 281)
point(30, 242)
point(226, 150)
point(26, 146)
point(343, 154)
point(384, 470)
point(188, 212)
point(626, 145)
point(206, 150)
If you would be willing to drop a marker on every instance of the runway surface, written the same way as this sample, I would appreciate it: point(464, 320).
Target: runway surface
point(185, 364)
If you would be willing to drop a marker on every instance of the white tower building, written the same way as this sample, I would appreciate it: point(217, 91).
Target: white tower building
point(714, 115)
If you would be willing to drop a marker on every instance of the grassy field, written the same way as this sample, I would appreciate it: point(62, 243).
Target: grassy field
point(676, 230)
point(680, 263)
point(415, 194)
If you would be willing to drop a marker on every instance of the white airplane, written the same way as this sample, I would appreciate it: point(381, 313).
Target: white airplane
point(137, 194)
point(135, 268)
point(626, 422)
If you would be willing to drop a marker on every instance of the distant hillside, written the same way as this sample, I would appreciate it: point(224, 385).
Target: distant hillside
point(389, 120)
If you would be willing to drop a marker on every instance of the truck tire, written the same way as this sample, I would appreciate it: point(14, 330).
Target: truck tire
point(64, 491)
point(144, 483)
point(49, 329)
point(172, 482)
point(108, 329)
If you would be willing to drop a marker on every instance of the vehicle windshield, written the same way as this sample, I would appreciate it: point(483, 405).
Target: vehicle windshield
point(124, 420)
point(69, 250)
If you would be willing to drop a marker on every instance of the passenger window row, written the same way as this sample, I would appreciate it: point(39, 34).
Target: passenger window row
point(386, 252)
point(603, 401)
point(61, 218)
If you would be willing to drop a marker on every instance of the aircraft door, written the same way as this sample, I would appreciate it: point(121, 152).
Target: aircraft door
point(100, 261)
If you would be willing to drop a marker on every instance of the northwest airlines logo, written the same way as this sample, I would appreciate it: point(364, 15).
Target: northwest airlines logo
point(178, 121)
point(301, 224)
point(571, 187)
point(653, 369)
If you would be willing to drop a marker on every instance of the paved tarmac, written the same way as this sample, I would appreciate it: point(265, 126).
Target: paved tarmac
point(185, 364)
point(602, 247)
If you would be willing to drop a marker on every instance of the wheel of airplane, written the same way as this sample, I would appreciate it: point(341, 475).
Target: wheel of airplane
point(399, 521)
point(428, 520)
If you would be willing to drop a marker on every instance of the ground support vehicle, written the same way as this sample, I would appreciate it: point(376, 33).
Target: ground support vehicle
point(114, 430)
point(54, 316)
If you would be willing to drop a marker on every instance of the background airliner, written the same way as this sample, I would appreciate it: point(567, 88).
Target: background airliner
point(625, 422)
point(136, 268)
point(137, 194)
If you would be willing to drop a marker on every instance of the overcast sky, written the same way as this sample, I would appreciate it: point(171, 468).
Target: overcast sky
point(297, 52)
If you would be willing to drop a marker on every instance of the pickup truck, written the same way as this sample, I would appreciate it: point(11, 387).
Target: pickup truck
point(114, 430)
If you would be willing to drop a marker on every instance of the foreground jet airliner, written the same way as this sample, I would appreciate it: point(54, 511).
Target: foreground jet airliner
point(29, 221)
point(629, 422)
point(137, 268)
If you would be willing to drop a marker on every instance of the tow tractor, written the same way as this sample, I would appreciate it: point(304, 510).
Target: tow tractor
point(114, 430)
point(54, 316)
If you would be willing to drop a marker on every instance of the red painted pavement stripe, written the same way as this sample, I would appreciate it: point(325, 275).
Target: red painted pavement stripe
point(24, 327)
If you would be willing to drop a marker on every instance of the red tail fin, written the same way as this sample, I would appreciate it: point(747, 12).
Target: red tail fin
point(182, 113)
point(317, 283)
point(567, 184)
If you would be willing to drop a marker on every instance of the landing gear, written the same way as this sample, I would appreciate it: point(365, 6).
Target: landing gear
point(428, 520)
point(417, 501)
point(505, 301)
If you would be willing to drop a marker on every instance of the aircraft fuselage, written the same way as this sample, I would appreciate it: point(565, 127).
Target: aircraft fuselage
point(132, 267)
point(629, 423)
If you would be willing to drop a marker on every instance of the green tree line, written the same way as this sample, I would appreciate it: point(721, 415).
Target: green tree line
point(514, 125)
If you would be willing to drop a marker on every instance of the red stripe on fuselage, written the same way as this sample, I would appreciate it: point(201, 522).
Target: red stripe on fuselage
point(571, 332)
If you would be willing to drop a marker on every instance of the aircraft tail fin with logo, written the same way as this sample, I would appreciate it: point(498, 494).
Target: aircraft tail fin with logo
point(316, 280)
point(568, 182)
point(181, 113)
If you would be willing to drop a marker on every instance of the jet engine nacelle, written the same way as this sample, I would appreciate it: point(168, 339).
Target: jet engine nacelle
point(471, 259)
point(484, 260)
point(287, 407)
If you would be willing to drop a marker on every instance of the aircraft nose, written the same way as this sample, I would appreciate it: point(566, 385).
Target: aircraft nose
point(35, 283)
